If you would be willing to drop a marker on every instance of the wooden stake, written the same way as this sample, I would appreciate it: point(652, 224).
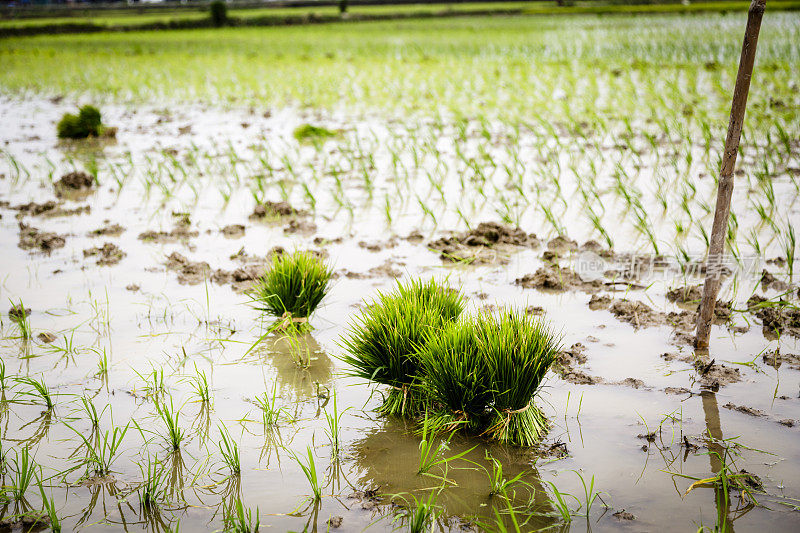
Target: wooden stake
point(716, 248)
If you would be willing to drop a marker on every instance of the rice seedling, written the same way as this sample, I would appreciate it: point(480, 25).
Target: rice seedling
point(270, 411)
point(309, 468)
point(332, 430)
point(292, 288)
point(22, 474)
point(230, 451)
point(789, 247)
point(49, 508)
point(103, 451)
point(18, 315)
point(3, 376)
point(39, 390)
point(154, 384)
point(498, 483)
point(200, 386)
point(432, 448)
point(421, 516)
point(91, 411)
point(171, 419)
point(153, 488)
point(383, 341)
point(239, 519)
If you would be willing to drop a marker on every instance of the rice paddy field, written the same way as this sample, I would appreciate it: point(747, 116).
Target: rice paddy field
point(559, 173)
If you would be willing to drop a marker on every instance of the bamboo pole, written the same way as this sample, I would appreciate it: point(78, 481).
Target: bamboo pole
point(716, 248)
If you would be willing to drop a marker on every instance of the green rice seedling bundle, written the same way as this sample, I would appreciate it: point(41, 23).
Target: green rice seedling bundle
point(484, 373)
point(519, 350)
point(383, 341)
point(87, 123)
point(292, 288)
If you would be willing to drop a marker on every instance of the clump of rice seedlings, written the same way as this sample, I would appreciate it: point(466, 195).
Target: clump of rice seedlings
point(310, 132)
point(87, 123)
point(384, 340)
point(292, 288)
point(519, 350)
point(40, 390)
point(170, 416)
point(230, 451)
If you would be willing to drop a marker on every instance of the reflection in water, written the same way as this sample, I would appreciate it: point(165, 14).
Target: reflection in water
point(303, 370)
point(387, 459)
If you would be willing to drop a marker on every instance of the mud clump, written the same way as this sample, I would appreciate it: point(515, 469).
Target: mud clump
point(566, 363)
point(49, 209)
point(75, 181)
point(178, 234)
point(31, 238)
point(108, 254)
point(775, 359)
point(686, 295)
point(623, 515)
point(768, 281)
point(275, 210)
point(300, 226)
point(713, 376)
point(777, 316)
point(18, 312)
point(635, 313)
point(744, 409)
point(109, 230)
point(676, 390)
point(599, 302)
point(562, 245)
point(233, 231)
point(480, 246)
point(556, 279)
point(189, 272)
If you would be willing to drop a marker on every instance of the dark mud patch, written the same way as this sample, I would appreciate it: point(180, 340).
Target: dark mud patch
point(108, 254)
point(776, 359)
point(769, 281)
point(562, 245)
point(777, 317)
point(636, 313)
point(189, 272)
point(623, 516)
point(483, 245)
point(554, 278)
point(74, 184)
point(597, 302)
point(388, 269)
point(109, 230)
point(31, 238)
point(273, 210)
point(377, 246)
point(303, 227)
point(556, 450)
point(676, 391)
point(178, 234)
point(566, 364)
point(744, 409)
point(713, 376)
point(50, 208)
point(233, 231)
point(690, 294)
point(18, 312)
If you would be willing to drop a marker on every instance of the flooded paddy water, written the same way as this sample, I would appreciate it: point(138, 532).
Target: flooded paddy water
point(134, 255)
